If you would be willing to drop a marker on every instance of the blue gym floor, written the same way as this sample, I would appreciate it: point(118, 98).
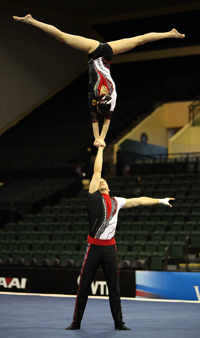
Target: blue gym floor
point(38, 316)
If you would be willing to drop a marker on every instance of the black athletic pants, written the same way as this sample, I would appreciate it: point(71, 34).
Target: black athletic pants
point(107, 257)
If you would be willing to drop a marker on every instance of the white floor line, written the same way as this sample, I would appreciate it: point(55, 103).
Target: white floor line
point(100, 297)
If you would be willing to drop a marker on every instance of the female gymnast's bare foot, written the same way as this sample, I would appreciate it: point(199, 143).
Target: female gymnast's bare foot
point(25, 19)
point(176, 34)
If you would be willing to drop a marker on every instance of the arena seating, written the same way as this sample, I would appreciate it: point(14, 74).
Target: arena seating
point(143, 233)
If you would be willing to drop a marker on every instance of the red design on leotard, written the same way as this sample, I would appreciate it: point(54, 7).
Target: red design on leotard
point(108, 204)
point(102, 82)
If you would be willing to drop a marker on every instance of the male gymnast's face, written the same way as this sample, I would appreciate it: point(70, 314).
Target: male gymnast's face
point(103, 187)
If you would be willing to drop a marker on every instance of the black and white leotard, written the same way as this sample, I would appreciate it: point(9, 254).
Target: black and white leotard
point(103, 221)
point(99, 74)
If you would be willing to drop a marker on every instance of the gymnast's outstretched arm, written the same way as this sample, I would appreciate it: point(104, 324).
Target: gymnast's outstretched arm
point(74, 41)
point(124, 45)
point(134, 202)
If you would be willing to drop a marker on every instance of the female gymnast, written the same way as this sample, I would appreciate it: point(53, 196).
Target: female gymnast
point(102, 92)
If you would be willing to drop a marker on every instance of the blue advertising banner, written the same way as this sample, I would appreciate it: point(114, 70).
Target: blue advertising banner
point(168, 285)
